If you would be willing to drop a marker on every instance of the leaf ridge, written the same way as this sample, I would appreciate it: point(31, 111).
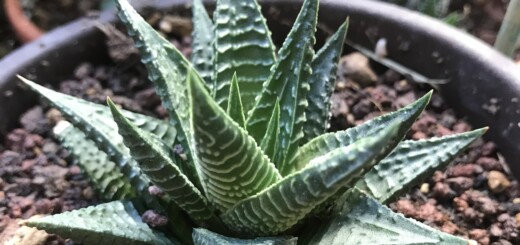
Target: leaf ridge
point(167, 68)
point(113, 223)
point(362, 220)
point(107, 180)
point(327, 142)
point(280, 206)
point(233, 167)
point(202, 45)
point(235, 110)
point(243, 45)
point(288, 83)
point(323, 78)
point(156, 161)
point(410, 162)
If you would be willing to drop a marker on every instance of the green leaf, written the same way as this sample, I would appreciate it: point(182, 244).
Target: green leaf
point(206, 237)
point(114, 223)
point(288, 83)
point(104, 174)
point(269, 143)
point(233, 166)
point(322, 82)
point(68, 104)
point(327, 142)
point(99, 127)
point(410, 162)
point(362, 220)
point(167, 69)
point(156, 161)
point(97, 124)
point(242, 45)
point(202, 44)
point(282, 205)
point(234, 108)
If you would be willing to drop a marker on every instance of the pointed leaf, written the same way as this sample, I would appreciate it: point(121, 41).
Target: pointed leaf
point(410, 162)
point(99, 128)
point(232, 164)
point(322, 82)
point(289, 84)
point(270, 141)
point(202, 45)
point(114, 223)
point(205, 237)
point(97, 124)
point(65, 102)
point(242, 45)
point(104, 174)
point(283, 204)
point(156, 161)
point(167, 69)
point(362, 220)
point(234, 108)
point(327, 142)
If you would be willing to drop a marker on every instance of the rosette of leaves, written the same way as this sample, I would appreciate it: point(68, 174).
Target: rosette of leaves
point(244, 157)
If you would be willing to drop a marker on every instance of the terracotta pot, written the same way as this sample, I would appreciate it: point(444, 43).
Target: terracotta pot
point(478, 75)
point(25, 30)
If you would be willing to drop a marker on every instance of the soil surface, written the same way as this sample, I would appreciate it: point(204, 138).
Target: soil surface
point(474, 197)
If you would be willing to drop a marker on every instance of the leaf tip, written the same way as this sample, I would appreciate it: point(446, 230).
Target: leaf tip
point(111, 104)
point(428, 96)
point(26, 81)
point(116, 113)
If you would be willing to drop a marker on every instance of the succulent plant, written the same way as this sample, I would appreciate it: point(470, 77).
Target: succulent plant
point(244, 157)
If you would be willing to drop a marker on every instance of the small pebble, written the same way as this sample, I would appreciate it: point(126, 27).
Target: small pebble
point(460, 184)
point(489, 163)
point(155, 190)
point(356, 67)
point(497, 181)
point(425, 188)
point(154, 219)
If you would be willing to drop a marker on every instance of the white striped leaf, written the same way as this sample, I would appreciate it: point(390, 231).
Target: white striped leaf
point(330, 141)
point(232, 164)
point(205, 237)
point(113, 223)
point(235, 110)
point(97, 124)
point(361, 220)
point(269, 143)
point(242, 45)
point(282, 205)
point(156, 161)
point(202, 44)
point(160, 128)
point(107, 180)
point(288, 83)
point(322, 82)
point(93, 121)
point(410, 162)
point(167, 69)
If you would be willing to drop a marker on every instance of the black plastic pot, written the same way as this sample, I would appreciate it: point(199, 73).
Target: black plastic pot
point(478, 76)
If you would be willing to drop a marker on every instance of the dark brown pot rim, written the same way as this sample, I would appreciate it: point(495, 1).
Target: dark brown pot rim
point(479, 77)
point(25, 30)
